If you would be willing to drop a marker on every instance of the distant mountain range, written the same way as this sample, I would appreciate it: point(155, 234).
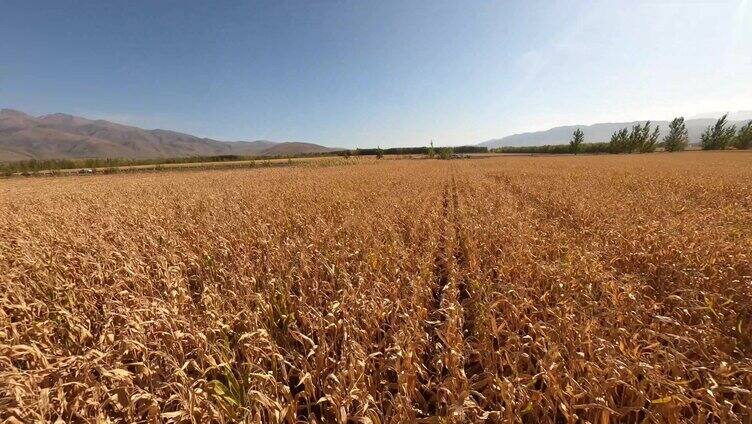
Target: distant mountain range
point(61, 136)
point(602, 132)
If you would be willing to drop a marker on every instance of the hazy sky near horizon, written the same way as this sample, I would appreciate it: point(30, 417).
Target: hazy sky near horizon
point(388, 72)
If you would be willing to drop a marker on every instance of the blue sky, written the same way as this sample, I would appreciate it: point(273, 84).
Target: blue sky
point(389, 73)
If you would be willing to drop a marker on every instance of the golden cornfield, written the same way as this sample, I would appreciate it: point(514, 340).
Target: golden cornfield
point(507, 289)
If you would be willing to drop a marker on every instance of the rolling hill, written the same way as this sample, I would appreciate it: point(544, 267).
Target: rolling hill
point(602, 132)
point(292, 148)
point(62, 136)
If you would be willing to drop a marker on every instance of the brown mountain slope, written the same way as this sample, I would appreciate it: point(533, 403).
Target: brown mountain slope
point(61, 136)
point(45, 143)
point(291, 148)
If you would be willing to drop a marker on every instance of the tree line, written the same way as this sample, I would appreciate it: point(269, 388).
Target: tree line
point(430, 150)
point(37, 165)
point(642, 138)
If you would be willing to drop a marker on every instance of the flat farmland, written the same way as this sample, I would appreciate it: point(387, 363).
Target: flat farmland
point(505, 289)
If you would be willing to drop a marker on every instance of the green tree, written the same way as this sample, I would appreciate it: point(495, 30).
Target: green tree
point(619, 141)
point(677, 138)
point(744, 138)
point(446, 153)
point(431, 151)
point(633, 140)
point(379, 153)
point(718, 136)
point(641, 140)
point(578, 137)
point(649, 140)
